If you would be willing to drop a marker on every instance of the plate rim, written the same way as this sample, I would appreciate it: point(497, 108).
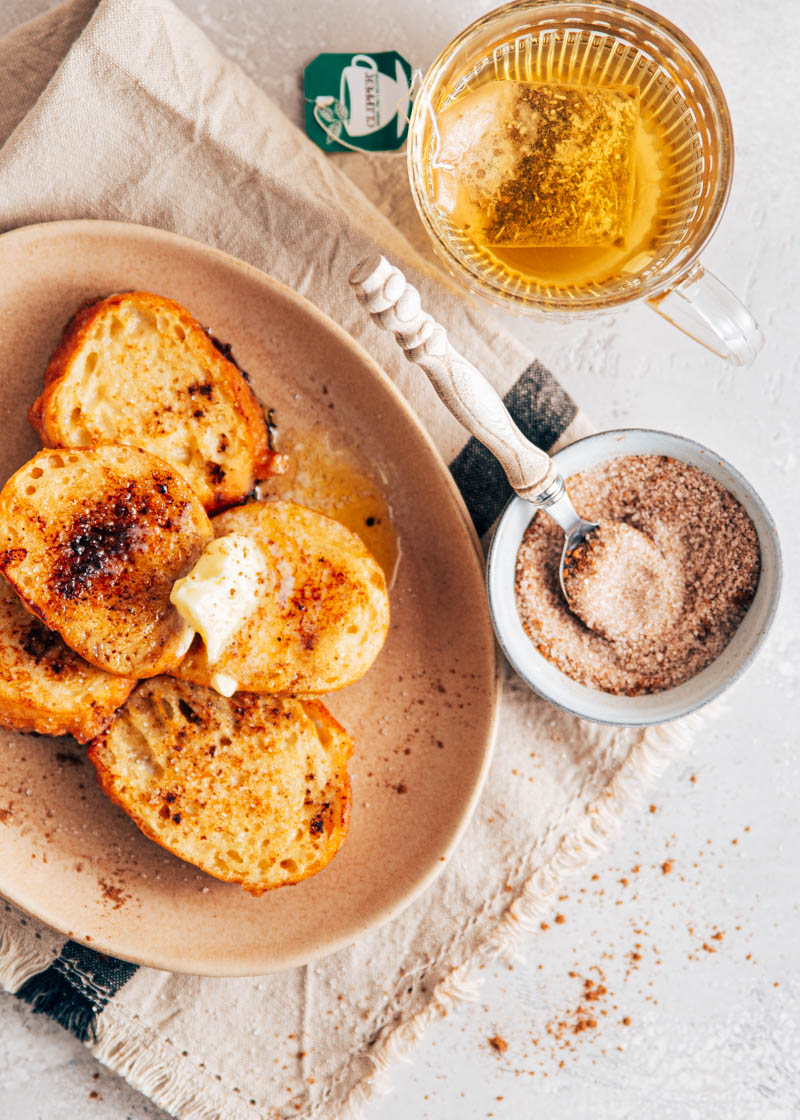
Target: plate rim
point(249, 967)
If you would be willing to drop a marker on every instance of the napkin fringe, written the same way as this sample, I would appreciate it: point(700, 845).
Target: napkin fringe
point(52, 994)
point(649, 756)
point(156, 1068)
point(21, 956)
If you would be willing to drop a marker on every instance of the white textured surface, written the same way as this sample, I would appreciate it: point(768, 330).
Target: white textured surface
point(711, 1034)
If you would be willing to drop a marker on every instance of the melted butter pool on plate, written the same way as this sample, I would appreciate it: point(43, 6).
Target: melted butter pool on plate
point(327, 475)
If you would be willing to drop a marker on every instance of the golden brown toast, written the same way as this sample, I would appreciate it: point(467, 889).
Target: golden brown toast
point(137, 369)
point(322, 614)
point(92, 541)
point(253, 790)
point(44, 686)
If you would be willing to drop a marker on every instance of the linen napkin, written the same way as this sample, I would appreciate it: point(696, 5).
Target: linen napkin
point(126, 111)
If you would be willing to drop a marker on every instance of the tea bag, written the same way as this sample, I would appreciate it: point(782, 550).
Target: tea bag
point(523, 165)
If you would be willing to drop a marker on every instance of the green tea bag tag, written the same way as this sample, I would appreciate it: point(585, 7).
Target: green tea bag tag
point(358, 101)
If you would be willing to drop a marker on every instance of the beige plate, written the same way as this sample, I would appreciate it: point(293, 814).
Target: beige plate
point(422, 718)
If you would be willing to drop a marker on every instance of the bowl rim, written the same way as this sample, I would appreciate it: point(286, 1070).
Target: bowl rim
point(527, 670)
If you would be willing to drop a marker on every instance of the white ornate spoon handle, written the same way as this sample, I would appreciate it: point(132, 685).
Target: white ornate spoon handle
point(395, 306)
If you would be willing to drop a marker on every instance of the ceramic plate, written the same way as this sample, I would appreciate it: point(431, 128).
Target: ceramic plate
point(422, 718)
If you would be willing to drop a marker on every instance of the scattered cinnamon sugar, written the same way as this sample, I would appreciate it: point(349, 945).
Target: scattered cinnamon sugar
point(114, 894)
point(699, 530)
point(498, 1043)
point(580, 1019)
point(593, 991)
point(666, 866)
point(559, 919)
point(592, 1019)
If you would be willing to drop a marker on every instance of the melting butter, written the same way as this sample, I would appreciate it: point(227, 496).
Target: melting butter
point(325, 474)
point(224, 684)
point(218, 594)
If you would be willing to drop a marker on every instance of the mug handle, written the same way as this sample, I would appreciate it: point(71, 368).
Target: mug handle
point(701, 306)
point(365, 61)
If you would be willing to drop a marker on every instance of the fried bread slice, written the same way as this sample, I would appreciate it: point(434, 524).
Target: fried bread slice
point(44, 686)
point(253, 790)
point(321, 614)
point(92, 541)
point(137, 369)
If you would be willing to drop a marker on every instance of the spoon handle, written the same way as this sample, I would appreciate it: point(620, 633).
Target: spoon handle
point(394, 305)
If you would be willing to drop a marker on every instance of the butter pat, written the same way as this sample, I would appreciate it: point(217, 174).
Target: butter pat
point(224, 684)
point(218, 594)
point(186, 640)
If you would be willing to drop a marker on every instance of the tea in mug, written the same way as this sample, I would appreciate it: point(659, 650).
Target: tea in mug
point(558, 183)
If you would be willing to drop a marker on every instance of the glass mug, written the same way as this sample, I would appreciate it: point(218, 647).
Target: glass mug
point(611, 45)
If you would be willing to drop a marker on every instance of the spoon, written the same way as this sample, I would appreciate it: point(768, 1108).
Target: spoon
point(394, 305)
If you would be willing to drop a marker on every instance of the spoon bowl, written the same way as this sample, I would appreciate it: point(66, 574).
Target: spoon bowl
point(559, 506)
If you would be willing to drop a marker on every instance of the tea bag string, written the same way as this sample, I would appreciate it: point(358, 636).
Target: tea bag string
point(331, 124)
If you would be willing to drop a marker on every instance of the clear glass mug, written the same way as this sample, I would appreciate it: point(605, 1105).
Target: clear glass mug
point(541, 40)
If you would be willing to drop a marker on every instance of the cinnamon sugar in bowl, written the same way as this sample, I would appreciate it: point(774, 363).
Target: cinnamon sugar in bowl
point(581, 671)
